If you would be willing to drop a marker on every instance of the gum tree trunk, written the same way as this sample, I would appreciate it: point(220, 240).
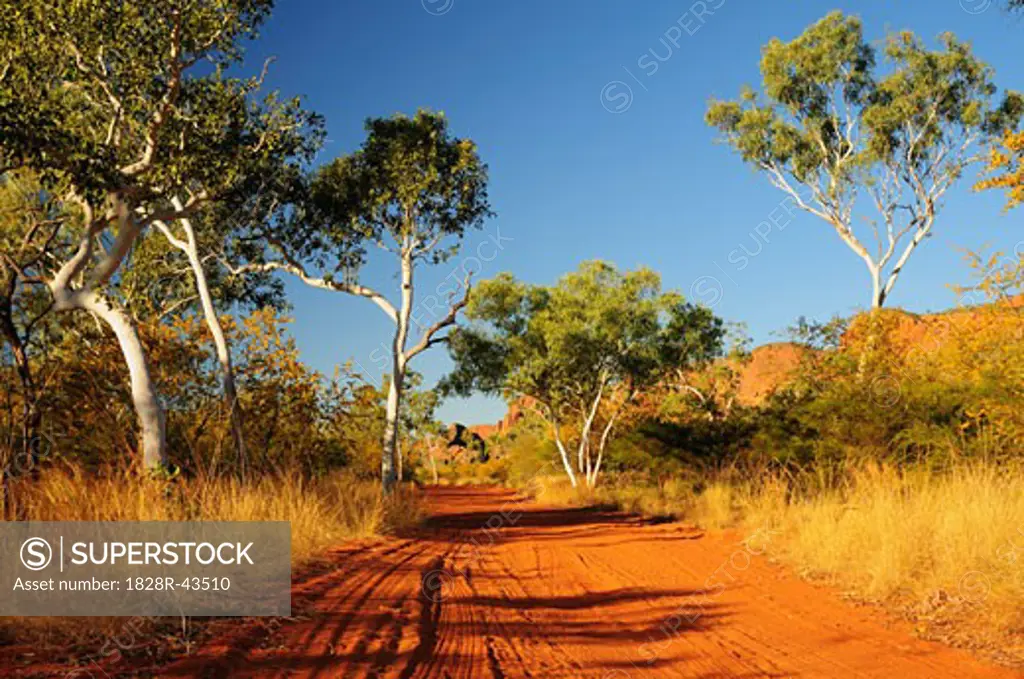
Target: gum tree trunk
point(191, 248)
point(144, 393)
point(391, 464)
point(66, 297)
point(411, 249)
point(389, 458)
point(562, 451)
point(878, 291)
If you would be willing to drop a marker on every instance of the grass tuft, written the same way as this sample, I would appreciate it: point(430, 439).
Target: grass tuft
point(948, 548)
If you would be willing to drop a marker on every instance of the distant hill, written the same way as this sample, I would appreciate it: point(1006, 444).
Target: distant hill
point(768, 368)
point(908, 331)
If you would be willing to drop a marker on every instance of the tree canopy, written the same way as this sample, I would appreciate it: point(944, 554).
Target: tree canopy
point(411, 184)
point(847, 140)
point(125, 114)
point(581, 349)
point(412, 189)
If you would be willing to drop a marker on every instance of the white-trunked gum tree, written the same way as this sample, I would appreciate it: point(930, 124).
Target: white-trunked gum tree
point(869, 150)
point(582, 350)
point(412, 190)
point(125, 114)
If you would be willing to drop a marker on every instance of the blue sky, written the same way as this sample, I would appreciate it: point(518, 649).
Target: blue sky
point(532, 82)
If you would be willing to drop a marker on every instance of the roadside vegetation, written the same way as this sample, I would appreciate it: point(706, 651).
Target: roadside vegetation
point(943, 549)
point(324, 513)
point(151, 206)
point(150, 189)
point(896, 476)
point(888, 458)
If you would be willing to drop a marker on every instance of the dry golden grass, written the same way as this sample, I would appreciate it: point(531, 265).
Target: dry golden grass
point(948, 548)
point(323, 513)
point(715, 507)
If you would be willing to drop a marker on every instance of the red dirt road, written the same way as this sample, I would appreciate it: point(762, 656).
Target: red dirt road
point(494, 587)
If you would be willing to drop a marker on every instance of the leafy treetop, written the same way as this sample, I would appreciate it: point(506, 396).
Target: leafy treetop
point(829, 125)
point(411, 188)
point(595, 325)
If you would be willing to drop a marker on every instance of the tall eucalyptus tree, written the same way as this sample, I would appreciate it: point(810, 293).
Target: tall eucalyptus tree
point(125, 113)
point(412, 190)
point(830, 129)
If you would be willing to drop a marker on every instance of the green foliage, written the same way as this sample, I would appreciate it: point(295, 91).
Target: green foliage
point(411, 182)
point(417, 415)
point(302, 421)
point(94, 91)
point(493, 472)
point(555, 343)
point(829, 127)
point(354, 418)
point(412, 189)
point(824, 82)
point(583, 349)
point(119, 108)
point(124, 116)
point(30, 224)
point(885, 394)
point(695, 443)
point(886, 388)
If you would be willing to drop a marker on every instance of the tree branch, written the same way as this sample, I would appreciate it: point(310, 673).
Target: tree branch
point(427, 340)
point(299, 272)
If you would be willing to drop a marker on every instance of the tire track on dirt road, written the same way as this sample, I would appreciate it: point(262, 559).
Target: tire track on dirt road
point(569, 593)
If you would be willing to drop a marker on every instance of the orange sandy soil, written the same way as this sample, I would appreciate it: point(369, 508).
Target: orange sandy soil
point(496, 587)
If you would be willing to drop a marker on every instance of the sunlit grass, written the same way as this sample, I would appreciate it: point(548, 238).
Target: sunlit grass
point(323, 513)
point(947, 546)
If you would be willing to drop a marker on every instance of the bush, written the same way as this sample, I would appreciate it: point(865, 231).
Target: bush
point(903, 390)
